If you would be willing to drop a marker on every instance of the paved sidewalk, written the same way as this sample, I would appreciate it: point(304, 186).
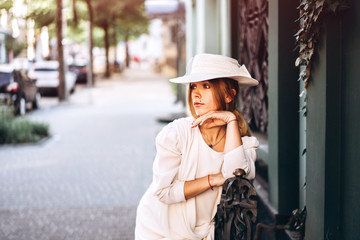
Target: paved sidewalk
point(86, 180)
point(68, 223)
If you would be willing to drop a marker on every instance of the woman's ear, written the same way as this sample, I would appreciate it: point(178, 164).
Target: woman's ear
point(228, 98)
point(233, 91)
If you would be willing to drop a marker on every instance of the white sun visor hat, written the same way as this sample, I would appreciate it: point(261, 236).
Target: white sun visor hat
point(206, 66)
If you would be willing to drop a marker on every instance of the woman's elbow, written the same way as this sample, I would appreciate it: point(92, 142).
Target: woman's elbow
point(251, 171)
point(251, 174)
point(166, 201)
point(169, 198)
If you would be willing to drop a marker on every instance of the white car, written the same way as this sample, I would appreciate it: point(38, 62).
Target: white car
point(47, 76)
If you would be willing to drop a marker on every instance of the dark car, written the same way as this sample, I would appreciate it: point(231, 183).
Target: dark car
point(17, 89)
point(80, 70)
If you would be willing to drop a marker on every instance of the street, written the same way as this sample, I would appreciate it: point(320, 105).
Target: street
point(85, 181)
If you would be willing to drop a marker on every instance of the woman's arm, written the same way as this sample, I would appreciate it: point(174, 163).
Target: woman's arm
point(166, 165)
point(200, 185)
point(233, 140)
point(233, 137)
point(243, 157)
point(221, 118)
point(234, 157)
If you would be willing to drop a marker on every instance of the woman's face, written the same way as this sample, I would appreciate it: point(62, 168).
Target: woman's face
point(202, 97)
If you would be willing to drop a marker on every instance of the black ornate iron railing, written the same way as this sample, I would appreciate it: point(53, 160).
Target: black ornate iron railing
point(237, 210)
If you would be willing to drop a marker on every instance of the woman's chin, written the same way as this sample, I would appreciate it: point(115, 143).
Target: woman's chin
point(200, 113)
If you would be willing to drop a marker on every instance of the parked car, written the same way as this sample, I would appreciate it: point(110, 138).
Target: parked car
point(80, 70)
point(17, 89)
point(46, 74)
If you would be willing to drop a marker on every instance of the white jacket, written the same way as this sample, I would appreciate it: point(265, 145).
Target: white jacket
point(182, 155)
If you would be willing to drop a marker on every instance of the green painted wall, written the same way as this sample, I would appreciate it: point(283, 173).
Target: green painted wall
point(332, 191)
point(315, 180)
point(350, 123)
point(283, 131)
point(323, 137)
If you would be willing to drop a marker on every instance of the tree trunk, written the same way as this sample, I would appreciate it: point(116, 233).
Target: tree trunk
point(62, 93)
point(114, 41)
point(107, 45)
point(90, 73)
point(127, 57)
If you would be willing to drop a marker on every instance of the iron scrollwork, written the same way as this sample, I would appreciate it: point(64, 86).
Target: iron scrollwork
point(253, 52)
point(237, 210)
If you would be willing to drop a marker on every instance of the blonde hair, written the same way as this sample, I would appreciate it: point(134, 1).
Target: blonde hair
point(222, 87)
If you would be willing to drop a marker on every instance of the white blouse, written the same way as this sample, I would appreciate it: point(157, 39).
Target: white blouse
point(183, 155)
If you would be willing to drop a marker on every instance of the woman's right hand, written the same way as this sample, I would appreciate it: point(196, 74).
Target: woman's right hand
point(217, 180)
point(214, 119)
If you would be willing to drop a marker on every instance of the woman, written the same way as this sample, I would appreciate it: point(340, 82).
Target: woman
point(195, 155)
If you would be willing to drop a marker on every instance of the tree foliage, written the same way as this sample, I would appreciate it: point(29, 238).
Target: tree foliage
point(6, 4)
point(12, 44)
point(132, 22)
point(43, 13)
point(113, 21)
point(120, 20)
point(126, 18)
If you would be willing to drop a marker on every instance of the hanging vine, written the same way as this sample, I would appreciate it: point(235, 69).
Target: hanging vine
point(311, 16)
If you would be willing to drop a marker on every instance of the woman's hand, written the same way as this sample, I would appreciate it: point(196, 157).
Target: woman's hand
point(214, 119)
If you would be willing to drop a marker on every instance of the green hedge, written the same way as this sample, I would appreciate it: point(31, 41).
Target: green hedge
point(20, 130)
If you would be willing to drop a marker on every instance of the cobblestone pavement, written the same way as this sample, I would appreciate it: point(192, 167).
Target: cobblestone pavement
point(68, 223)
point(86, 180)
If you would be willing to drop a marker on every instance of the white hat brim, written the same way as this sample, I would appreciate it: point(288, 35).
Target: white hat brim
point(242, 80)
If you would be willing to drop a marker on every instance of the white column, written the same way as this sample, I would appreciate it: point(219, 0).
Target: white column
point(225, 27)
point(201, 26)
point(190, 29)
